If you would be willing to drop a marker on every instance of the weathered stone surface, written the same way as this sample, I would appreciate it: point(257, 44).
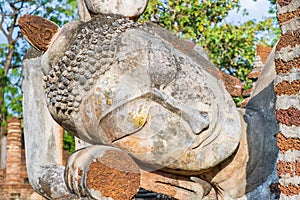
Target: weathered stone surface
point(127, 8)
point(115, 82)
point(113, 169)
point(288, 53)
point(259, 110)
point(289, 155)
point(288, 39)
point(247, 93)
point(288, 168)
point(254, 74)
point(290, 190)
point(102, 172)
point(285, 67)
point(288, 16)
point(232, 84)
point(83, 11)
point(257, 67)
point(285, 197)
point(283, 2)
point(289, 131)
point(43, 144)
point(263, 52)
point(287, 6)
point(169, 183)
point(289, 117)
point(284, 144)
point(13, 148)
point(287, 90)
point(150, 96)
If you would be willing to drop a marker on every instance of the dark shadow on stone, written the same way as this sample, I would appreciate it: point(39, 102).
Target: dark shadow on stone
point(148, 195)
point(262, 132)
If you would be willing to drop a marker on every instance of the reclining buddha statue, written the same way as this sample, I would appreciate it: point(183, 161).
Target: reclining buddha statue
point(152, 106)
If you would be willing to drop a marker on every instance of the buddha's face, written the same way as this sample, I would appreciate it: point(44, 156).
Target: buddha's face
point(134, 90)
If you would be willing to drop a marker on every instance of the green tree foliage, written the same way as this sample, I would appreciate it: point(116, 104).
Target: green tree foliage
point(69, 142)
point(230, 47)
point(13, 47)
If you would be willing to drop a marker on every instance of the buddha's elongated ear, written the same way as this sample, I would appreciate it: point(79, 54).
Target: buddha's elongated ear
point(38, 31)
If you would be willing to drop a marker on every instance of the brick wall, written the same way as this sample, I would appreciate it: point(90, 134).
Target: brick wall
point(261, 56)
point(263, 52)
point(13, 152)
point(13, 179)
point(287, 86)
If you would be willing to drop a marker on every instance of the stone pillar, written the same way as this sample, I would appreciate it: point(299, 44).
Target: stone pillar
point(43, 136)
point(14, 148)
point(287, 86)
point(3, 140)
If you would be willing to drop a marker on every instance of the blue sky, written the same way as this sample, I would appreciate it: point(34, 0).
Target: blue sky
point(257, 11)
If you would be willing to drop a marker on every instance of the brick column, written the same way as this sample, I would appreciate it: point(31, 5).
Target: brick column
point(287, 86)
point(2, 173)
point(13, 153)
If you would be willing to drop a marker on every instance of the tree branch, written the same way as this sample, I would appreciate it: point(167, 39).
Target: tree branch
point(41, 4)
point(8, 60)
point(14, 21)
point(2, 21)
point(9, 36)
point(17, 38)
